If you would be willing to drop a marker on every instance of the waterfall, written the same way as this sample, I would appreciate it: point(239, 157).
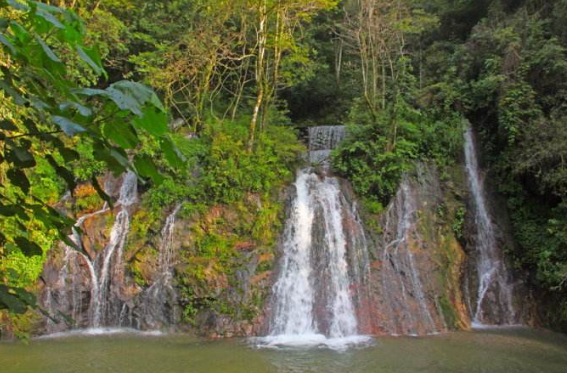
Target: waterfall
point(157, 303)
point(322, 140)
point(80, 274)
point(313, 295)
point(494, 296)
point(411, 311)
point(128, 196)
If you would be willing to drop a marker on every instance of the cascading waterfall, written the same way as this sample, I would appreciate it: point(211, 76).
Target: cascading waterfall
point(313, 296)
point(69, 295)
point(494, 298)
point(294, 290)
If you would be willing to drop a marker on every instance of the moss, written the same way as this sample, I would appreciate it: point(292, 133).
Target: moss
point(459, 223)
point(436, 226)
point(144, 225)
point(264, 266)
point(448, 311)
point(87, 199)
point(222, 241)
point(110, 220)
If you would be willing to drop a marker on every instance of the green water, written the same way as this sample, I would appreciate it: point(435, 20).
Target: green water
point(495, 351)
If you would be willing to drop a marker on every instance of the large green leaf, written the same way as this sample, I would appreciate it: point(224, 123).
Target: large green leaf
point(172, 154)
point(22, 35)
point(101, 192)
point(19, 155)
point(124, 101)
point(12, 92)
point(7, 125)
point(10, 210)
point(146, 167)
point(122, 134)
point(81, 109)
point(50, 18)
point(4, 40)
point(142, 94)
point(153, 120)
point(10, 301)
point(62, 172)
point(16, 300)
point(68, 126)
point(18, 178)
point(92, 58)
point(28, 248)
point(17, 5)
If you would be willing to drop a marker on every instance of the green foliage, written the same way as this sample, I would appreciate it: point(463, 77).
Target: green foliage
point(229, 171)
point(513, 73)
point(459, 223)
point(46, 112)
point(376, 155)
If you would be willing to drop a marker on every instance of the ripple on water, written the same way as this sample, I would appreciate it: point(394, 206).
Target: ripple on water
point(101, 332)
point(312, 340)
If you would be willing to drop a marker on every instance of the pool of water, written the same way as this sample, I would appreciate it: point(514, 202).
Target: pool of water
point(486, 351)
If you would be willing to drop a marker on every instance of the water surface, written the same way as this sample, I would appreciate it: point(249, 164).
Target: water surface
point(486, 351)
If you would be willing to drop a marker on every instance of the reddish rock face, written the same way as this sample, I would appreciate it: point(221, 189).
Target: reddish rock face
point(89, 288)
point(407, 280)
point(413, 283)
point(96, 232)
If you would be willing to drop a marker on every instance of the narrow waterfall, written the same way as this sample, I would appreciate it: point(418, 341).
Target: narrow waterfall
point(404, 276)
point(114, 250)
point(157, 303)
point(314, 294)
point(322, 141)
point(494, 298)
point(82, 275)
point(71, 278)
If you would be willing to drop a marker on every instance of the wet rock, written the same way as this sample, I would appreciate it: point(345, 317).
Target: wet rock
point(416, 274)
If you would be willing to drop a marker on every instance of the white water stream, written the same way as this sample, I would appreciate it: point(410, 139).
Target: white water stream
point(313, 297)
point(99, 269)
point(494, 298)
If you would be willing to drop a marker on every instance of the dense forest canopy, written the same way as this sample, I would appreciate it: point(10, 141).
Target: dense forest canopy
point(234, 81)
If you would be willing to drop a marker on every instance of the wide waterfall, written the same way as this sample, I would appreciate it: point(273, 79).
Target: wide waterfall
point(494, 297)
point(314, 293)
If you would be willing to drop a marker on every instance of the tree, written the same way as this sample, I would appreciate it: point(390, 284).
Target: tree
point(377, 32)
point(274, 23)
